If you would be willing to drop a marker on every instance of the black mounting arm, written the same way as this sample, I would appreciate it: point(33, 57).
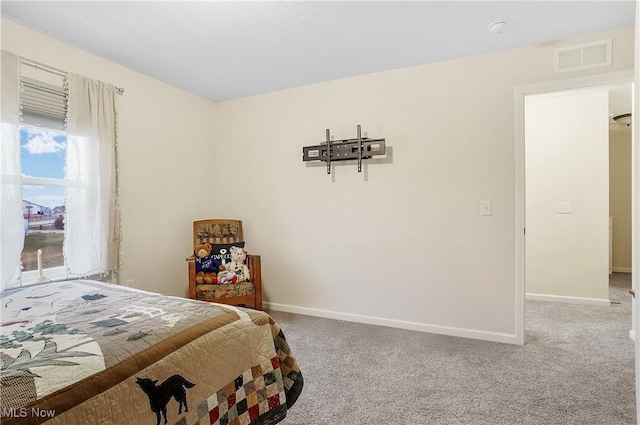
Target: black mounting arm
point(342, 150)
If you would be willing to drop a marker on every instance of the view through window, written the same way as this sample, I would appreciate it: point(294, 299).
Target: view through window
point(43, 155)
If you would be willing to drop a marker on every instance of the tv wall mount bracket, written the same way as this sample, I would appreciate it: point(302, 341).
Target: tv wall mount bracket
point(343, 150)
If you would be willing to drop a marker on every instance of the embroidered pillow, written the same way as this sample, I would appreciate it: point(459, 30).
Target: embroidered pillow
point(222, 252)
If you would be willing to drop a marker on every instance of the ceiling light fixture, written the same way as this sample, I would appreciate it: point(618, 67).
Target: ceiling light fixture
point(624, 119)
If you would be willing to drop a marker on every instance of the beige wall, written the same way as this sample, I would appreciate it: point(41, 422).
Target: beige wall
point(566, 151)
point(620, 196)
point(406, 248)
point(163, 133)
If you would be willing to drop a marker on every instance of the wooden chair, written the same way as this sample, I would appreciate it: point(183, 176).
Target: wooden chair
point(223, 231)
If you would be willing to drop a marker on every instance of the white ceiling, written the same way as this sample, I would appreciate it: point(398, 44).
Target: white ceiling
point(224, 50)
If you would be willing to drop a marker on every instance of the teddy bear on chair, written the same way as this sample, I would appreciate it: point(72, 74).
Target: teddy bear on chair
point(205, 262)
point(238, 264)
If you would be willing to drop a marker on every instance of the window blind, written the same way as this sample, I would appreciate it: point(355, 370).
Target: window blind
point(42, 104)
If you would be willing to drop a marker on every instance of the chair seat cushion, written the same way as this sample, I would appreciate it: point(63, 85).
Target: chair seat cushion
point(210, 292)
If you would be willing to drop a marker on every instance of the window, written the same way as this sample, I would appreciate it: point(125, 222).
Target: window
point(43, 167)
point(54, 180)
point(43, 146)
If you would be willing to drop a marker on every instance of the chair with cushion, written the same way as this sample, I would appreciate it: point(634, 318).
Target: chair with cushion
point(217, 233)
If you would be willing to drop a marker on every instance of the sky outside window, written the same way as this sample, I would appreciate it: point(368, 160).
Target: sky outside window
point(43, 155)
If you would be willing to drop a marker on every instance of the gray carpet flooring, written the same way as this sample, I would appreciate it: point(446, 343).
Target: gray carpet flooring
point(576, 367)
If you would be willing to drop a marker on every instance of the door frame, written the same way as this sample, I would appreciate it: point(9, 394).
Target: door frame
point(520, 93)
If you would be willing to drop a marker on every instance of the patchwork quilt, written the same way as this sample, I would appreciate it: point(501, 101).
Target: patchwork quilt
point(86, 352)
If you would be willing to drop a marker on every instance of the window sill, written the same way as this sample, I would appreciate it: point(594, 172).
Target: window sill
point(52, 274)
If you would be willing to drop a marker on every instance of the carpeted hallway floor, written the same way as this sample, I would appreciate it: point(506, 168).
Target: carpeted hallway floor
point(576, 367)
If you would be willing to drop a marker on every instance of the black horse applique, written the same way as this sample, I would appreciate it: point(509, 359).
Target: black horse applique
point(159, 395)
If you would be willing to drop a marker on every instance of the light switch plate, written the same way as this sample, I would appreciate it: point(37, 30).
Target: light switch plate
point(485, 207)
point(564, 207)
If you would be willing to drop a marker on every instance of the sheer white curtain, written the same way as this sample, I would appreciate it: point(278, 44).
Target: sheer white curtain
point(92, 223)
point(11, 219)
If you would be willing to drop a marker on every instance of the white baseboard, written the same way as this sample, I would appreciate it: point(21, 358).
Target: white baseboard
point(632, 335)
point(621, 269)
point(402, 324)
point(570, 300)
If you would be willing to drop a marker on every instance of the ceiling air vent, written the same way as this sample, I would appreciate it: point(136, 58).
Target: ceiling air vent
point(582, 56)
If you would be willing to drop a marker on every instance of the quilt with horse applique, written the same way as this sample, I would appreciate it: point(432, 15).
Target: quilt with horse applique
point(87, 352)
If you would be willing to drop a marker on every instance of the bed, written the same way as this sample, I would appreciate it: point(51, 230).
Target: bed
point(86, 352)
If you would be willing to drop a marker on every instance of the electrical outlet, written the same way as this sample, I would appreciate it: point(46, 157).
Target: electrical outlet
point(129, 283)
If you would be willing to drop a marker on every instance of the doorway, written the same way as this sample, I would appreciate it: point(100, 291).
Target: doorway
point(567, 196)
point(557, 207)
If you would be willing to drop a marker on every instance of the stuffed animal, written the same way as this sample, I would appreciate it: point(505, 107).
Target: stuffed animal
point(205, 263)
point(238, 265)
point(226, 277)
point(200, 278)
point(210, 278)
point(202, 251)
